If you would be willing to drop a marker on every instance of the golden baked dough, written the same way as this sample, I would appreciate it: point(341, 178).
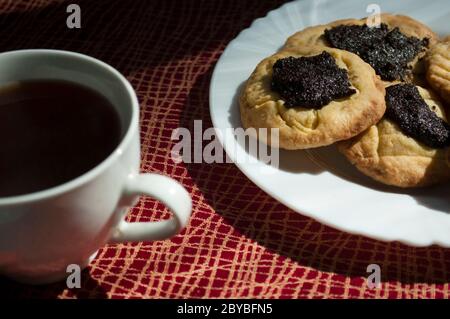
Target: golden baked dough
point(384, 153)
point(313, 36)
point(438, 68)
point(301, 128)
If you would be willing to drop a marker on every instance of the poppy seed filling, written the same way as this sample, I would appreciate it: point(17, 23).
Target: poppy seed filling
point(408, 109)
point(310, 82)
point(387, 51)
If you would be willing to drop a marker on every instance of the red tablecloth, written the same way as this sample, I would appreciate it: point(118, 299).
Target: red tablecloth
point(240, 243)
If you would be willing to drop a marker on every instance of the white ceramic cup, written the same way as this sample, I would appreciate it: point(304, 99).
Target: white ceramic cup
point(44, 232)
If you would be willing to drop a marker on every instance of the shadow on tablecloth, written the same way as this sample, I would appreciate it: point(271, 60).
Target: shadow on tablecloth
point(90, 289)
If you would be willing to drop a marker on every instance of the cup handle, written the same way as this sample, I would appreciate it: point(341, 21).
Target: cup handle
point(164, 189)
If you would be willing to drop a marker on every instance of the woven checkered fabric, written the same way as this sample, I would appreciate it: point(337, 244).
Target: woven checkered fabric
point(240, 243)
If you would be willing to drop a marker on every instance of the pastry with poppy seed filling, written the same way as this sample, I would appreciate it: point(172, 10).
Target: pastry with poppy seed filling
point(394, 49)
point(409, 146)
point(315, 96)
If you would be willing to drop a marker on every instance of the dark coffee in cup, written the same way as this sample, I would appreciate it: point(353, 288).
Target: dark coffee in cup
point(52, 132)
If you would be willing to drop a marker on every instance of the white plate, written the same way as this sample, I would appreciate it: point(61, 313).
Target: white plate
point(320, 183)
